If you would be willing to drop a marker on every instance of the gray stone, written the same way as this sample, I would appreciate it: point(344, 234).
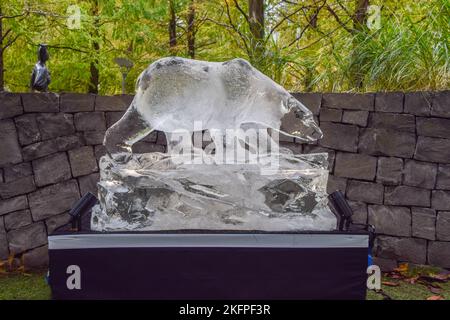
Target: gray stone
point(27, 129)
point(384, 142)
point(338, 136)
point(161, 138)
point(9, 146)
point(39, 149)
point(26, 238)
point(17, 219)
point(57, 221)
point(355, 166)
point(112, 103)
point(99, 151)
point(336, 183)
point(17, 187)
point(443, 177)
point(420, 174)
point(10, 105)
point(52, 125)
point(69, 142)
point(40, 102)
point(311, 100)
point(389, 171)
point(35, 259)
point(441, 104)
point(365, 191)
point(82, 161)
point(401, 249)
point(418, 103)
point(4, 251)
point(440, 200)
point(433, 127)
point(443, 226)
point(432, 149)
point(355, 117)
point(90, 121)
point(113, 117)
point(352, 101)
point(386, 265)
point(423, 223)
point(51, 169)
point(13, 204)
point(327, 114)
point(389, 102)
point(77, 102)
point(394, 121)
point(145, 147)
point(359, 210)
point(17, 171)
point(94, 137)
point(54, 199)
point(390, 220)
point(439, 254)
point(407, 196)
point(151, 137)
point(89, 183)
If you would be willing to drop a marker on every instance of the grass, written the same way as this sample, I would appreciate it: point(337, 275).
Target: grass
point(407, 291)
point(32, 286)
point(24, 286)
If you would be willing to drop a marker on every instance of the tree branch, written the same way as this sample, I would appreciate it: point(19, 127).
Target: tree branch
point(10, 42)
point(240, 10)
point(336, 17)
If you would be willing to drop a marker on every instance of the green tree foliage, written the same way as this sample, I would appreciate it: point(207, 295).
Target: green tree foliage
point(306, 45)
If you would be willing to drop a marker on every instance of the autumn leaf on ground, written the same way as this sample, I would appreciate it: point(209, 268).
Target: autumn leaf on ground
point(435, 277)
point(390, 283)
point(435, 298)
point(412, 280)
point(435, 290)
point(402, 268)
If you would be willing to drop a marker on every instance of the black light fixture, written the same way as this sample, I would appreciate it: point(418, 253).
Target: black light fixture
point(125, 67)
point(83, 206)
point(342, 208)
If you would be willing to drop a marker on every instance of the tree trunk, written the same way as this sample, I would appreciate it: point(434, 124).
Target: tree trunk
point(191, 30)
point(360, 16)
point(2, 82)
point(359, 23)
point(256, 23)
point(95, 76)
point(172, 26)
point(310, 69)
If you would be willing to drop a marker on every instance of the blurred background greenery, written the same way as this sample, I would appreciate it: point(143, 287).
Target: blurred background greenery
point(305, 45)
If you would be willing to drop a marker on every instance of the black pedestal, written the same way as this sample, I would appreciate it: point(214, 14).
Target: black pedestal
point(208, 265)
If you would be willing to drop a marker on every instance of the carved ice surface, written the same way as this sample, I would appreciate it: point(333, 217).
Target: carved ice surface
point(155, 192)
point(175, 93)
point(150, 192)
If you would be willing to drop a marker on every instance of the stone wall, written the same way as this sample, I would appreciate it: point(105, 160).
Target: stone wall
point(389, 153)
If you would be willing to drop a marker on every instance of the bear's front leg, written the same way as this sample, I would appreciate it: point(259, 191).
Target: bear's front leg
point(121, 136)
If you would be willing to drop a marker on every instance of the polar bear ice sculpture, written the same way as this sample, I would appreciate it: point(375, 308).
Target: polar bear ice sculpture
point(173, 93)
point(153, 192)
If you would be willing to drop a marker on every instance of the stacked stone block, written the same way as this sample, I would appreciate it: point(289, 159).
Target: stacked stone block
point(389, 153)
point(49, 150)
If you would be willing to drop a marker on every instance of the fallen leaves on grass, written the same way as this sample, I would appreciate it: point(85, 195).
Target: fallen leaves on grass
point(428, 279)
point(390, 284)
